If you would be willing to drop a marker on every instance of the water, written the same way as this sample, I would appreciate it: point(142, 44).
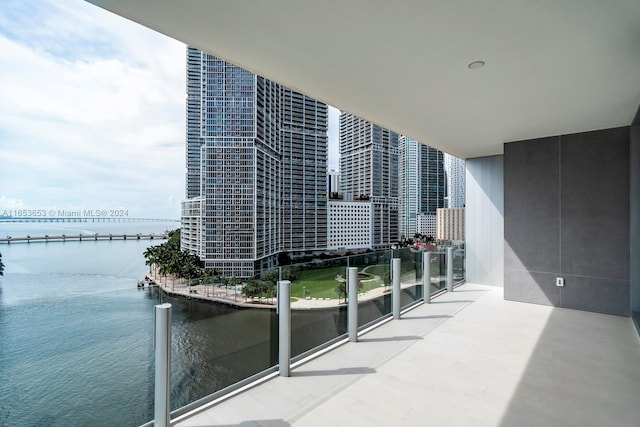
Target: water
point(75, 331)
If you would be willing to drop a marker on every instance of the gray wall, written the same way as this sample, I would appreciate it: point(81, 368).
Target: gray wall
point(566, 211)
point(484, 224)
point(635, 221)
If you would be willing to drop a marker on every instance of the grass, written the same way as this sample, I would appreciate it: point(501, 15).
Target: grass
point(318, 283)
point(378, 270)
point(321, 282)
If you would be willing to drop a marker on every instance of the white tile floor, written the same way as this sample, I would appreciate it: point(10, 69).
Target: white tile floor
point(468, 359)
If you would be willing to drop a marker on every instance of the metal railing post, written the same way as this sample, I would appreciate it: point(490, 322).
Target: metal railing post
point(449, 269)
point(284, 327)
point(162, 349)
point(352, 307)
point(395, 289)
point(426, 277)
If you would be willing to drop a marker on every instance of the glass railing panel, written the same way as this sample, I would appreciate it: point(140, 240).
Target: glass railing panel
point(459, 272)
point(411, 275)
point(438, 272)
point(318, 308)
point(374, 274)
point(215, 345)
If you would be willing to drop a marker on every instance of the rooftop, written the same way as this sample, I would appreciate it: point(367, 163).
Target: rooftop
point(468, 358)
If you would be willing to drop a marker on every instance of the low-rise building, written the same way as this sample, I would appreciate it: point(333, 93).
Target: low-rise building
point(350, 225)
point(450, 224)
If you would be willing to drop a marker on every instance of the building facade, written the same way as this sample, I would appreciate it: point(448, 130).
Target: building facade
point(454, 173)
point(450, 224)
point(256, 168)
point(333, 182)
point(408, 186)
point(422, 184)
point(350, 225)
point(427, 225)
point(369, 171)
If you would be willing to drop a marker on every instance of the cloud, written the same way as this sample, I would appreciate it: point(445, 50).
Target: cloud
point(92, 111)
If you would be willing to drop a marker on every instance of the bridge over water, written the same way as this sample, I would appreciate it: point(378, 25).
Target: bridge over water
point(83, 237)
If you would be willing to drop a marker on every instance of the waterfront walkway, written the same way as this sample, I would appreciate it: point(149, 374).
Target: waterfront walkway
point(469, 358)
point(233, 296)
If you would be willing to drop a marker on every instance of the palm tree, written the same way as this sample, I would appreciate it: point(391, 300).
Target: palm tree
point(151, 256)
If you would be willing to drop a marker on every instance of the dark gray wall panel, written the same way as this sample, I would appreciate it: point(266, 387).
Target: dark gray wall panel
point(567, 214)
point(526, 286)
point(595, 203)
point(532, 215)
point(635, 218)
point(596, 294)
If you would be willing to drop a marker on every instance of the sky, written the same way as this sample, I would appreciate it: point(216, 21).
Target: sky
point(92, 112)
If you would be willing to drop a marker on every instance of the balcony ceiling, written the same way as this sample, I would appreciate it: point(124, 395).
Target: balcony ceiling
point(552, 67)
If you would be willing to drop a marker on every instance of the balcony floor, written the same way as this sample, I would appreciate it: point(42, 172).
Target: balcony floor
point(469, 358)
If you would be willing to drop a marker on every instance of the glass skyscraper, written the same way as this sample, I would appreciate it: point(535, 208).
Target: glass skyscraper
point(369, 169)
point(256, 168)
point(422, 184)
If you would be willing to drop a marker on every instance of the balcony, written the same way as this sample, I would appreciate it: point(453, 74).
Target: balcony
point(468, 358)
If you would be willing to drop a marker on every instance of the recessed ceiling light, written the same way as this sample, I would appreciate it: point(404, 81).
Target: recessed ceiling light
point(476, 64)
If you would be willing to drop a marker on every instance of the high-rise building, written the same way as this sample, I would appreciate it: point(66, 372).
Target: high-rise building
point(408, 186)
point(333, 182)
point(421, 183)
point(454, 172)
point(432, 181)
point(256, 168)
point(369, 170)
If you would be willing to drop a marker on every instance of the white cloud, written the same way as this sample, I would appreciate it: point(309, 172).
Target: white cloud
point(91, 113)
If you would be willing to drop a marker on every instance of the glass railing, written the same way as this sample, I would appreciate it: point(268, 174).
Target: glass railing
point(438, 272)
point(221, 336)
point(459, 262)
point(410, 276)
point(244, 340)
point(374, 276)
point(319, 313)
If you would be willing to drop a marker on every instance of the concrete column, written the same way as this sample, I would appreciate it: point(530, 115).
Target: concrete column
point(395, 287)
point(162, 349)
point(449, 261)
point(352, 307)
point(426, 277)
point(284, 328)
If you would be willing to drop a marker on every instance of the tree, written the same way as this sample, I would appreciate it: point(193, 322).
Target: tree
point(259, 288)
point(341, 289)
point(170, 259)
point(1, 266)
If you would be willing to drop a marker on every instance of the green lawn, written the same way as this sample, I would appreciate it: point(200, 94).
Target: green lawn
point(318, 283)
point(321, 282)
point(378, 270)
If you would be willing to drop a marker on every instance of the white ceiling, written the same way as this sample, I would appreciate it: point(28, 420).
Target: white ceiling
point(552, 66)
